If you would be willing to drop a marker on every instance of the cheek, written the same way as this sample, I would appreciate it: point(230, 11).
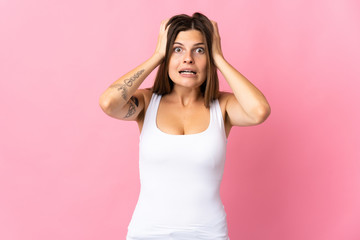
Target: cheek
point(202, 65)
point(204, 70)
point(173, 63)
point(173, 66)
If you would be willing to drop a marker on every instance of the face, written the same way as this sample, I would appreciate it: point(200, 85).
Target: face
point(187, 64)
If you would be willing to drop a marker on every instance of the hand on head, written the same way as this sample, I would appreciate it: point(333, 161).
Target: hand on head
point(216, 44)
point(161, 44)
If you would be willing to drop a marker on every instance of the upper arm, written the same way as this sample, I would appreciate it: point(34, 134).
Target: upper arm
point(235, 115)
point(133, 110)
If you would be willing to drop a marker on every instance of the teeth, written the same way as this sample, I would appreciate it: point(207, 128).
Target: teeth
point(187, 72)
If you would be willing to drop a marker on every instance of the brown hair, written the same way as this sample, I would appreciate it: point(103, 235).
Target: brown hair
point(163, 84)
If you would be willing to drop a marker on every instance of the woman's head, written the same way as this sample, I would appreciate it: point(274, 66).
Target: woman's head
point(183, 35)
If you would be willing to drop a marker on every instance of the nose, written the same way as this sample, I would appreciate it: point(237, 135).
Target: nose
point(188, 58)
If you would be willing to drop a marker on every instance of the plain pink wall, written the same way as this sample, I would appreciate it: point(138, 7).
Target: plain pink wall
point(68, 171)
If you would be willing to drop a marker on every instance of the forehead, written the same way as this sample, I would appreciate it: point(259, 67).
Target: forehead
point(190, 36)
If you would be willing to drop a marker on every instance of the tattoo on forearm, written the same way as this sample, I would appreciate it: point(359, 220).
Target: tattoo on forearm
point(127, 83)
point(132, 108)
point(135, 100)
point(121, 87)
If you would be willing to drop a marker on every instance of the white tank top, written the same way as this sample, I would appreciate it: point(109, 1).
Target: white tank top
point(180, 178)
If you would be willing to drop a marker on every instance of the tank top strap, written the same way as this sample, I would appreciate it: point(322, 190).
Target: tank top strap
point(150, 115)
point(153, 106)
point(217, 115)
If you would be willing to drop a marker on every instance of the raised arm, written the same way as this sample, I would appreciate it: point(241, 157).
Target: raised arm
point(122, 99)
point(246, 105)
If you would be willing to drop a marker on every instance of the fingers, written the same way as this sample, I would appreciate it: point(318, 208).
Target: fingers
point(163, 24)
point(165, 20)
point(216, 29)
point(216, 48)
point(162, 38)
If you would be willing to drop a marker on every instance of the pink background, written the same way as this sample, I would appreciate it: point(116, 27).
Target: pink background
point(68, 171)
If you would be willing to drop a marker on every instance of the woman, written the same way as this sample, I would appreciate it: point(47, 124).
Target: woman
point(184, 122)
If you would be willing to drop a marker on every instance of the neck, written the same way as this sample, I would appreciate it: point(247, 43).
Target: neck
point(186, 96)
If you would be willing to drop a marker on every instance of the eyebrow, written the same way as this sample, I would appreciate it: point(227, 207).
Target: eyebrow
point(196, 44)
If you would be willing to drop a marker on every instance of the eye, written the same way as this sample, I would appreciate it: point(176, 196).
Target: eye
point(177, 49)
point(200, 50)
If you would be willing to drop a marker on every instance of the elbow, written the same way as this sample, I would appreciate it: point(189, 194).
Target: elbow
point(262, 114)
point(109, 105)
point(104, 104)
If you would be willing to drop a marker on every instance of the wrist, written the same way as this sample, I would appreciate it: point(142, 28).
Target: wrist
point(218, 59)
point(158, 57)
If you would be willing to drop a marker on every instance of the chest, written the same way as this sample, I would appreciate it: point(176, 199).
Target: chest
point(178, 120)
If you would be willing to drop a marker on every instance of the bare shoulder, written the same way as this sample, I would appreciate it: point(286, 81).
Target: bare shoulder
point(223, 101)
point(224, 98)
point(144, 96)
point(147, 93)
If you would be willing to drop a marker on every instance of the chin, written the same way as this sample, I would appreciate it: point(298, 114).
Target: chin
point(188, 83)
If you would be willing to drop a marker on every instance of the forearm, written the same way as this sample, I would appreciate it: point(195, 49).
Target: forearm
point(118, 93)
point(248, 96)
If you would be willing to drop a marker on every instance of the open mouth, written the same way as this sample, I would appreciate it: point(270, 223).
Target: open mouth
point(187, 72)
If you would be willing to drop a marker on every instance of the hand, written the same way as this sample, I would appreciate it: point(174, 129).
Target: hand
point(216, 44)
point(162, 39)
